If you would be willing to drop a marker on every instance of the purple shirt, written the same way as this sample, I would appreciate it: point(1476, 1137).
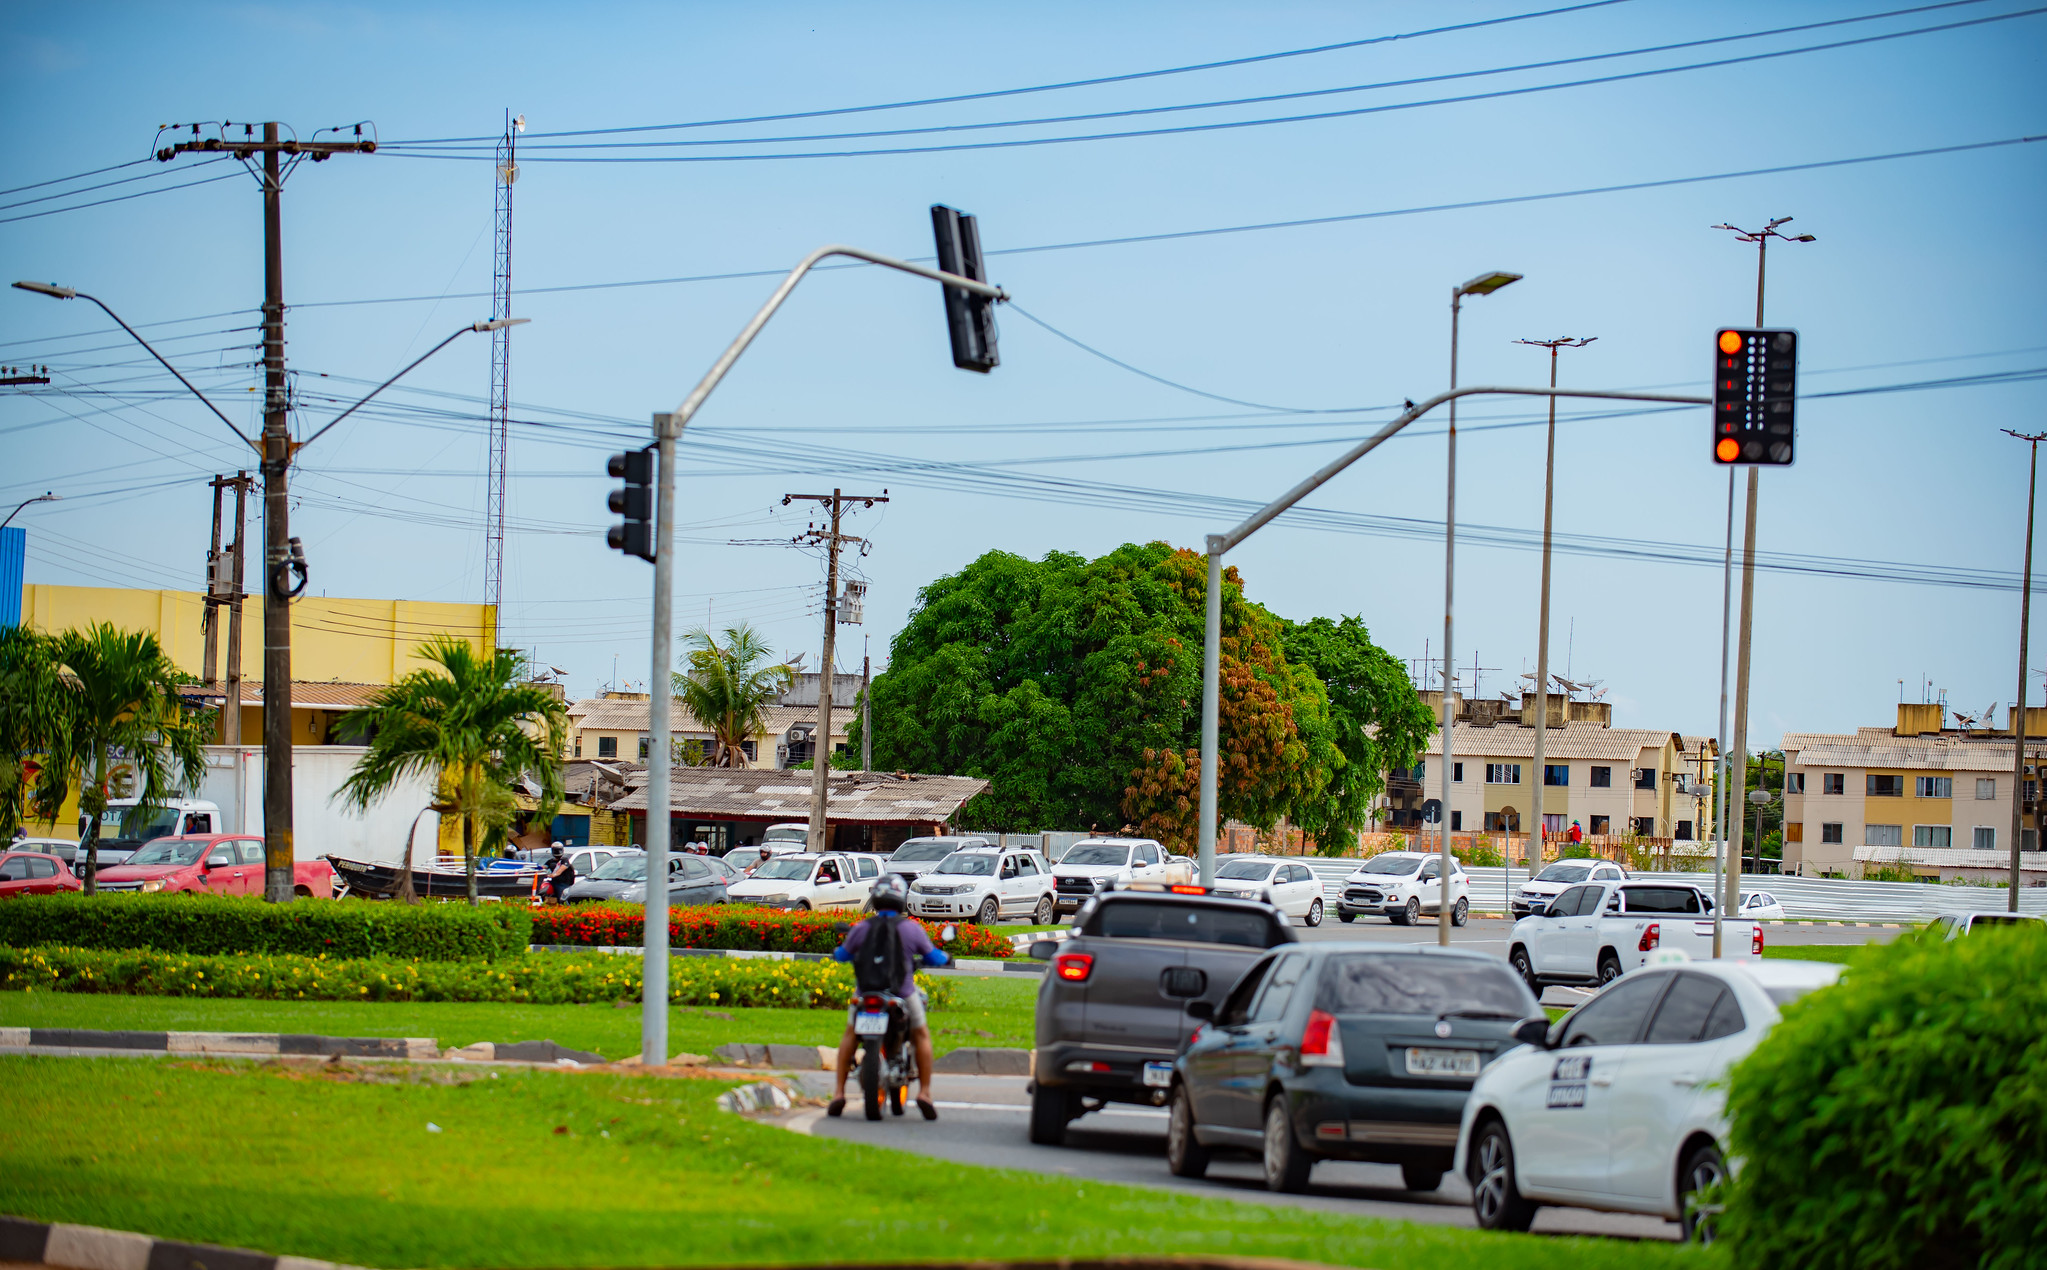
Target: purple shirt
point(916, 943)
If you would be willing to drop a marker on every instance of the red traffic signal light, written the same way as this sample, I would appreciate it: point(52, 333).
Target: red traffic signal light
point(1755, 391)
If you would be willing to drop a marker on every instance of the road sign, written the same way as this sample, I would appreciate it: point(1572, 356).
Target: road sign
point(1755, 386)
point(1432, 812)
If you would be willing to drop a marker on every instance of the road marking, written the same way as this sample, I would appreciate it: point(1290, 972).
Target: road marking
point(1017, 1106)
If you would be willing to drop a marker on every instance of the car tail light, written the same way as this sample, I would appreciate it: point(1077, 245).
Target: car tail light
point(1183, 888)
point(1089, 1067)
point(1322, 1041)
point(1755, 946)
point(1652, 935)
point(1073, 967)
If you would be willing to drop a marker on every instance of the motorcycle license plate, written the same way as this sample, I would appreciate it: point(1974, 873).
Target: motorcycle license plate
point(1158, 1075)
point(870, 1023)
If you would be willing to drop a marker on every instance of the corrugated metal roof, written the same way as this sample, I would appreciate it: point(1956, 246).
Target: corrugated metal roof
point(1877, 747)
point(304, 695)
point(1572, 741)
point(766, 794)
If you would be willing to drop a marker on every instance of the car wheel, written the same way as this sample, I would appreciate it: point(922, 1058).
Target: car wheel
point(1286, 1165)
point(1413, 914)
point(1421, 1177)
point(803, 906)
point(1042, 915)
point(1697, 1192)
point(1185, 1155)
point(1050, 1111)
point(1460, 912)
point(1495, 1198)
point(1518, 959)
point(1609, 968)
point(989, 912)
point(1346, 918)
point(1314, 917)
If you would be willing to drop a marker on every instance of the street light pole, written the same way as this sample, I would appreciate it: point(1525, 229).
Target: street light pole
point(2018, 717)
point(40, 498)
point(1484, 284)
point(1549, 475)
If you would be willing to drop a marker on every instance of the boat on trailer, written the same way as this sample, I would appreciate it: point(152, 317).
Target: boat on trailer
point(445, 878)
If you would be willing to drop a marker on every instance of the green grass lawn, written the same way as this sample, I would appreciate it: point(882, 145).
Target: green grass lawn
point(594, 1169)
point(1842, 953)
point(993, 1010)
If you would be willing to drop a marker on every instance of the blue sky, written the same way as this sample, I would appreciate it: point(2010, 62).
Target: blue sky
point(1926, 268)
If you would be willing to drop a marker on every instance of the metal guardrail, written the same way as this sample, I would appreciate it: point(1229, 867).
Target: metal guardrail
point(1815, 899)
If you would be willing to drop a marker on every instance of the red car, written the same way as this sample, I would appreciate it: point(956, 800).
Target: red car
point(33, 873)
point(219, 864)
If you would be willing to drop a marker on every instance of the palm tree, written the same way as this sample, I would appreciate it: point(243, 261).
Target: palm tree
point(31, 714)
point(121, 729)
point(475, 727)
point(729, 689)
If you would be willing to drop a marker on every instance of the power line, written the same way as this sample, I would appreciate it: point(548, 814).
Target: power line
point(120, 198)
point(60, 180)
point(104, 185)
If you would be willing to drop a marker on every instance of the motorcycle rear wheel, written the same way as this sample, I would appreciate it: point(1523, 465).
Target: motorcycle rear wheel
point(870, 1079)
point(895, 1100)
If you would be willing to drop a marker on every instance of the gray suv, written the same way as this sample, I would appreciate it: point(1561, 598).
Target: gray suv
point(1112, 1010)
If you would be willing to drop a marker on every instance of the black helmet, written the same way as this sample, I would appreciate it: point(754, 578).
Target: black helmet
point(889, 895)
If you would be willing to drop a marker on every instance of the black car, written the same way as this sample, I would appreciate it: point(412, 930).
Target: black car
point(1343, 1051)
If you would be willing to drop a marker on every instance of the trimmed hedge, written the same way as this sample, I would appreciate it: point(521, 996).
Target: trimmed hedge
point(529, 978)
point(1899, 1118)
point(731, 926)
point(214, 924)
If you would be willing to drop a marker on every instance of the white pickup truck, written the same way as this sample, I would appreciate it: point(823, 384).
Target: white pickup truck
point(1597, 932)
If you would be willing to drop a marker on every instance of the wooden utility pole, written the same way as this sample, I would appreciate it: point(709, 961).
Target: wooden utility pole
point(821, 742)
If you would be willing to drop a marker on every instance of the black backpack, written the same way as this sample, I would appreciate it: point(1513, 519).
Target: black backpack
point(878, 964)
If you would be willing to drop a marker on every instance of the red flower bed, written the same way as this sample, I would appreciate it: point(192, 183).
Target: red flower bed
point(731, 926)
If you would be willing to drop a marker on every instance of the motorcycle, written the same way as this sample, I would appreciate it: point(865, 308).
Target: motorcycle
point(881, 1029)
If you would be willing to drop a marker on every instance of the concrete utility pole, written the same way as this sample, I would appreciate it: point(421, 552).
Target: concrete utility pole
point(866, 709)
point(2018, 717)
point(1737, 760)
point(224, 590)
point(821, 743)
point(1549, 481)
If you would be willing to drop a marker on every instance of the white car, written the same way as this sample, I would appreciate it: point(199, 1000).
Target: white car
point(802, 880)
point(1619, 1105)
point(1092, 865)
point(1956, 925)
point(1761, 906)
point(1598, 932)
point(1403, 885)
point(984, 884)
point(1536, 893)
point(1285, 884)
point(921, 855)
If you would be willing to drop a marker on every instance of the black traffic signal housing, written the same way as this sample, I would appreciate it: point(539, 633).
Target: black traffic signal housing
point(1755, 387)
point(634, 502)
point(969, 318)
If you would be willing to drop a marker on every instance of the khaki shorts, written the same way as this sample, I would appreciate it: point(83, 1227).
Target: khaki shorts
point(913, 1012)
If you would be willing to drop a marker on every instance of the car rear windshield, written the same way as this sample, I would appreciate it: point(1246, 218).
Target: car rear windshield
point(918, 852)
point(1096, 855)
point(1245, 870)
point(1661, 899)
point(1184, 920)
point(1402, 983)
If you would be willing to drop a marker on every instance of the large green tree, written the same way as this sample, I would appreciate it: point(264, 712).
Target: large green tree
point(1074, 687)
point(32, 699)
point(1381, 722)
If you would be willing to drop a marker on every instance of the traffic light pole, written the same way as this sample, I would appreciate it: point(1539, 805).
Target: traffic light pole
point(667, 428)
point(1218, 544)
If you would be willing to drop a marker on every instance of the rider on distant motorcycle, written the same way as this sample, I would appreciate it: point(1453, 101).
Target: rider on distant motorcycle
point(879, 945)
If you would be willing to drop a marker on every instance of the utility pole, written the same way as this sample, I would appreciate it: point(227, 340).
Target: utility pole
point(2018, 716)
point(1737, 760)
point(282, 556)
point(866, 708)
point(224, 590)
point(821, 743)
point(1549, 480)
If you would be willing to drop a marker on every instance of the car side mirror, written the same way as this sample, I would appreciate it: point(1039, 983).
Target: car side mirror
point(1201, 1009)
point(1533, 1032)
point(1044, 949)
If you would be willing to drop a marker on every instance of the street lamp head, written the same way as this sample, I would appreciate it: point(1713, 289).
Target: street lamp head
point(1804, 238)
point(50, 289)
point(1487, 283)
point(495, 324)
point(1759, 797)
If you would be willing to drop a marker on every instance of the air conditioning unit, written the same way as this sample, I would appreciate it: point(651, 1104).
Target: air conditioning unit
point(799, 734)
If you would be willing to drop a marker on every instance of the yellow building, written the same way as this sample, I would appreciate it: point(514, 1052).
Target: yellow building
point(341, 648)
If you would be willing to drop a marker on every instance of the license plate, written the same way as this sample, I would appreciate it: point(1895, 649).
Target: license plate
point(1158, 1075)
point(874, 1023)
point(1429, 1062)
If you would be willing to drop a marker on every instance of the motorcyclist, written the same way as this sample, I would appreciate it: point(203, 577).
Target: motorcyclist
point(561, 874)
point(889, 898)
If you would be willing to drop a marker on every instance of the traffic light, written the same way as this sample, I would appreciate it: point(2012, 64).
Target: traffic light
point(634, 502)
point(969, 318)
point(1755, 386)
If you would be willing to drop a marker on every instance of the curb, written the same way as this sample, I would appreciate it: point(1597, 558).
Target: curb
point(289, 1044)
point(92, 1248)
point(967, 1060)
point(635, 950)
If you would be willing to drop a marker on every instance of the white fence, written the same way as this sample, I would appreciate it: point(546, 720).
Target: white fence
point(1826, 899)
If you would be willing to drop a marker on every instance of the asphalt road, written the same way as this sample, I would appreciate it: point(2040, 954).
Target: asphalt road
point(982, 1120)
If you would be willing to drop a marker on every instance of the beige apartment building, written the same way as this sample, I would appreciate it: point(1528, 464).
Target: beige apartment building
point(1932, 799)
point(1612, 782)
point(614, 726)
